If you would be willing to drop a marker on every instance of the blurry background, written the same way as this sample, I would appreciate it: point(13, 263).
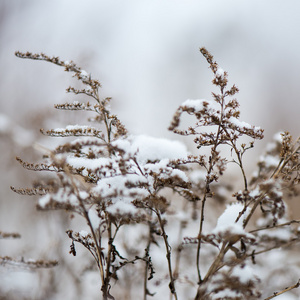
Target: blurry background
point(146, 55)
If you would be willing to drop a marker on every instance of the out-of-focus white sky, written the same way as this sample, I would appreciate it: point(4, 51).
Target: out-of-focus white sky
point(146, 55)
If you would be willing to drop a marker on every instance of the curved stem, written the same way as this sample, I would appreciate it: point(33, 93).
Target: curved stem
point(211, 166)
point(168, 255)
point(238, 154)
point(106, 285)
point(86, 216)
point(147, 264)
point(217, 261)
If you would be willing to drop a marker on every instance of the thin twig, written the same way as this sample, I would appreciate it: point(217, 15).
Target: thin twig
point(168, 255)
point(295, 286)
point(275, 226)
point(211, 166)
point(225, 247)
point(86, 216)
point(274, 247)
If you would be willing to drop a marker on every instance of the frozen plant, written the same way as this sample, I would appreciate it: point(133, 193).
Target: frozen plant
point(142, 198)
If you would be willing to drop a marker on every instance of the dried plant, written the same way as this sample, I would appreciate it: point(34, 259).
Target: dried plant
point(143, 197)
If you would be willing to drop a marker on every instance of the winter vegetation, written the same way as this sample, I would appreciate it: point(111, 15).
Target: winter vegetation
point(148, 218)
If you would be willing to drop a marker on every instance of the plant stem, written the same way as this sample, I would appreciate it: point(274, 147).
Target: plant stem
point(168, 255)
point(217, 261)
point(86, 216)
point(238, 154)
point(106, 286)
point(147, 264)
point(211, 166)
point(295, 286)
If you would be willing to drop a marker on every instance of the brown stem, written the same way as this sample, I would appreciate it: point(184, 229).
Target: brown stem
point(215, 265)
point(211, 166)
point(147, 263)
point(238, 154)
point(86, 216)
point(108, 130)
point(106, 286)
point(168, 255)
point(199, 238)
point(275, 226)
point(289, 243)
point(295, 286)
point(256, 203)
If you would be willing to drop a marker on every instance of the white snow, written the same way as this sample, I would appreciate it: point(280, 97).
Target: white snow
point(197, 105)
point(224, 294)
point(92, 164)
point(244, 273)
point(122, 208)
point(270, 161)
point(94, 218)
point(243, 125)
point(254, 193)
point(226, 222)
point(84, 74)
point(278, 137)
point(153, 156)
point(115, 187)
point(83, 233)
point(61, 196)
point(83, 128)
point(44, 200)
point(83, 195)
point(151, 149)
point(239, 124)
point(220, 73)
point(78, 127)
point(200, 104)
point(125, 145)
point(165, 172)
